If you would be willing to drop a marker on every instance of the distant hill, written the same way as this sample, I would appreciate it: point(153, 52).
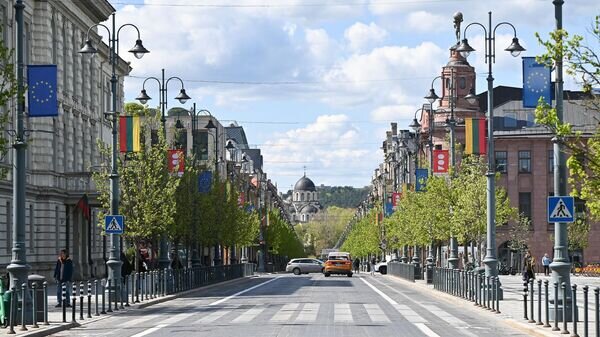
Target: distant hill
point(340, 196)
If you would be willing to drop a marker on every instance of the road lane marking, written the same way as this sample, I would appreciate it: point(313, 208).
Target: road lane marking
point(177, 318)
point(149, 331)
point(375, 313)
point(342, 313)
point(242, 292)
point(137, 321)
point(214, 316)
point(425, 329)
point(248, 315)
point(285, 313)
point(309, 313)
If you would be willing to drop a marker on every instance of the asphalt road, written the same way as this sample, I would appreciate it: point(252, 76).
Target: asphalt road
point(307, 305)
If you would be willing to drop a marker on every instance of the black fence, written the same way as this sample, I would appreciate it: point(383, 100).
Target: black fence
point(402, 270)
point(109, 297)
point(470, 285)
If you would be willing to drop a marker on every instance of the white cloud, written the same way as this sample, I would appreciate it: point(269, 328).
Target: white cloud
point(361, 36)
point(393, 112)
point(426, 22)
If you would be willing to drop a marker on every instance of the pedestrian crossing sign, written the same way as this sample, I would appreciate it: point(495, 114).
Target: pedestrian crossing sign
point(114, 224)
point(561, 209)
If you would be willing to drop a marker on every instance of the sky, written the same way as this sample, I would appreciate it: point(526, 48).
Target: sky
point(316, 83)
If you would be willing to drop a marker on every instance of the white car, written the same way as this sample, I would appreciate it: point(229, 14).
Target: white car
point(304, 266)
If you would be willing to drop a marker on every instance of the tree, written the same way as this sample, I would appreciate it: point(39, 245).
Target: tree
point(364, 236)
point(582, 62)
point(326, 227)
point(8, 91)
point(147, 189)
point(518, 234)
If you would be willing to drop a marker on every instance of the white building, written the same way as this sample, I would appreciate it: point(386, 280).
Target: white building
point(61, 150)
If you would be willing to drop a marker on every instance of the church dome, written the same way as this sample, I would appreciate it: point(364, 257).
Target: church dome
point(305, 184)
point(309, 209)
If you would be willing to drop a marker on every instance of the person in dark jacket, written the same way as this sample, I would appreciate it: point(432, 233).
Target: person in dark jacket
point(63, 274)
point(126, 266)
point(356, 265)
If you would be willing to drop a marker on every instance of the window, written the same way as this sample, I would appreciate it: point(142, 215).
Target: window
point(200, 146)
point(550, 161)
point(524, 161)
point(501, 161)
point(510, 120)
point(462, 82)
point(525, 204)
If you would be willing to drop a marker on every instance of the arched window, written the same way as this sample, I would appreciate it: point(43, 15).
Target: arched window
point(462, 82)
point(297, 198)
point(308, 197)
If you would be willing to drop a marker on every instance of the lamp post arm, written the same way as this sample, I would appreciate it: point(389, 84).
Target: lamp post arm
point(176, 78)
point(151, 78)
point(131, 25)
point(435, 78)
point(87, 34)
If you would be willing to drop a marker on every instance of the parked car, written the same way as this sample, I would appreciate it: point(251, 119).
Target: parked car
point(304, 266)
point(381, 267)
point(338, 263)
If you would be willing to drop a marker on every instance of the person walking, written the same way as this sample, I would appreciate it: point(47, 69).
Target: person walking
point(373, 261)
point(356, 265)
point(546, 263)
point(63, 274)
point(528, 267)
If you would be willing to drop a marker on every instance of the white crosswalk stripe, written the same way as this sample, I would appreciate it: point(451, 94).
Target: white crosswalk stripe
point(376, 314)
point(285, 313)
point(214, 316)
point(248, 315)
point(309, 313)
point(342, 313)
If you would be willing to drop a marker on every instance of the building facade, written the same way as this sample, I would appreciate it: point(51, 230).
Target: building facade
point(61, 151)
point(304, 203)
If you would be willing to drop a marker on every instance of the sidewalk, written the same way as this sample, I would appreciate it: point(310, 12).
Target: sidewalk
point(511, 306)
point(55, 318)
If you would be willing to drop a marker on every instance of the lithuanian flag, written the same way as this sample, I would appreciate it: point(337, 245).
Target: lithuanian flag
point(129, 133)
point(475, 136)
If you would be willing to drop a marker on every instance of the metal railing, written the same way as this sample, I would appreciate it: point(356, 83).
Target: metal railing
point(559, 310)
point(134, 288)
point(402, 270)
point(469, 285)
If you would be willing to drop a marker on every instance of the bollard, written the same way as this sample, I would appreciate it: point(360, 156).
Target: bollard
point(133, 287)
point(81, 300)
point(493, 293)
point(109, 302)
point(45, 287)
point(164, 282)
point(23, 308)
point(574, 311)
point(525, 287)
point(34, 322)
point(121, 292)
point(564, 330)
point(96, 295)
point(151, 284)
point(497, 294)
point(64, 302)
point(13, 309)
point(127, 290)
point(547, 324)
point(531, 300)
point(597, 310)
point(74, 305)
point(555, 328)
point(486, 294)
point(116, 292)
point(539, 320)
point(137, 287)
point(585, 312)
point(89, 298)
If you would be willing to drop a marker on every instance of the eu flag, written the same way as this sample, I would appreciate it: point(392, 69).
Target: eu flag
point(536, 83)
point(204, 181)
point(41, 83)
point(421, 177)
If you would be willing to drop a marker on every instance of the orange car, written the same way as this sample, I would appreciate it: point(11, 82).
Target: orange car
point(338, 263)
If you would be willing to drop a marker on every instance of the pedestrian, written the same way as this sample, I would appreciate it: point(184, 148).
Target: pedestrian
point(175, 261)
point(63, 274)
point(356, 265)
point(373, 261)
point(528, 267)
point(126, 266)
point(546, 263)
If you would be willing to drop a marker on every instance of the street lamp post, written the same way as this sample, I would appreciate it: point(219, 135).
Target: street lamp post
point(451, 122)
point(143, 98)
point(263, 207)
point(490, 260)
point(114, 262)
point(416, 126)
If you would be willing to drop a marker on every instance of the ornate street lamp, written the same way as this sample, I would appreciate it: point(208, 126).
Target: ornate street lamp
point(143, 98)
point(138, 50)
point(491, 259)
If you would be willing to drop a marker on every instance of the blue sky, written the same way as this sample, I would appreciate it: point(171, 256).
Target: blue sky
point(316, 83)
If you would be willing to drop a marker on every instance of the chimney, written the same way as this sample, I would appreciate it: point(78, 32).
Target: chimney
point(394, 129)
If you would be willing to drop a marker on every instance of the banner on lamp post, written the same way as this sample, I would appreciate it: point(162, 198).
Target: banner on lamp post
point(396, 198)
point(421, 179)
point(205, 182)
point(176, 162)
point(441, 158)
point(241, 199)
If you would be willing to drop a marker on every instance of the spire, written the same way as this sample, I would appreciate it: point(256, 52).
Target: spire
point(304, 170)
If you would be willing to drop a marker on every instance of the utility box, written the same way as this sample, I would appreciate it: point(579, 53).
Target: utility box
point(38, 293)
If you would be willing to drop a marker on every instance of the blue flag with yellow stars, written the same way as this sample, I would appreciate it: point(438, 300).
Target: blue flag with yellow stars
point(205, 181)
point(536, 83)
point(42, 88)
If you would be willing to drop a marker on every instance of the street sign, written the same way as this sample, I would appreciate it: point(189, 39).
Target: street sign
point(114, 224)
point(561, 209)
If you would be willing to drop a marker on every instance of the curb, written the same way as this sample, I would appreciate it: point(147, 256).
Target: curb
point(45, 330)
point(508, 320)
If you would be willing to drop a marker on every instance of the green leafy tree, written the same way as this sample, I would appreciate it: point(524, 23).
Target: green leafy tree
point(326, 227)
point(519, 233)
point(364, 237)
point(582, 62)
point(147, 189)
point(8, 91)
